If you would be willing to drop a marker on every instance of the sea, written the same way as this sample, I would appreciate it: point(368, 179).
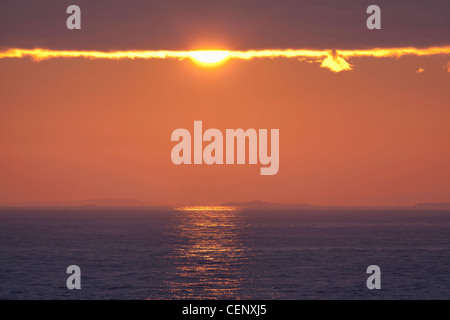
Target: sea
point(224, 253)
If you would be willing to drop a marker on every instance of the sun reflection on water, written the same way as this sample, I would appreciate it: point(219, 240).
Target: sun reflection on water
point(208, 255)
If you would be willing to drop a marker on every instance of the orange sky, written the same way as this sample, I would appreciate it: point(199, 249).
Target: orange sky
point(74, 129)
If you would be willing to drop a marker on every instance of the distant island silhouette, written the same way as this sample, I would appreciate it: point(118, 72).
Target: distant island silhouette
point(256, 204)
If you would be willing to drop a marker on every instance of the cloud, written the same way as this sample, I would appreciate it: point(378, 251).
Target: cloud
point(447, 67)
point(420, 70)
point(42, 54)
point(335, 63)
point(334, 60)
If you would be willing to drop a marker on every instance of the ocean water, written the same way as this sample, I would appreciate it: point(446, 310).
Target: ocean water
point(224, 253)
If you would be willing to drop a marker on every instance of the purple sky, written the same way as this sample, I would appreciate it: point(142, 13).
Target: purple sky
point(233, 24)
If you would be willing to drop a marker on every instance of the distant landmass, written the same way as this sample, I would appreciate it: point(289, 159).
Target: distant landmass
point(257, 204)
point(273, 205)
point(87, 204)
point(435, 206)
point(264, 204)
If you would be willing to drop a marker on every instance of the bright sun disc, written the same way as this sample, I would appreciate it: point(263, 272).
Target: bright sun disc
point(209, 56)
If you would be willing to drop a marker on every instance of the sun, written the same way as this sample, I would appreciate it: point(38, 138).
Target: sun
point(209, 57)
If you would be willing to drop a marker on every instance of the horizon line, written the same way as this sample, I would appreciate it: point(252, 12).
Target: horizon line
point(246, 205)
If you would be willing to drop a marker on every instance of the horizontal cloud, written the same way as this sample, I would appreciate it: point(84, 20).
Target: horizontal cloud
point(334, 60)
point(235, 24)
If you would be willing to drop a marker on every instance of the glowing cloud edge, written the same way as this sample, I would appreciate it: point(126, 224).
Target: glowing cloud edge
point(334, 60)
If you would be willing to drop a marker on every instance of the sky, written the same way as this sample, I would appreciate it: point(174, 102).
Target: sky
point(373, 134)
point(232, 24)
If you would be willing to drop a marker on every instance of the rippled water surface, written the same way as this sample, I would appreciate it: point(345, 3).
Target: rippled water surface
point(224, 253)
